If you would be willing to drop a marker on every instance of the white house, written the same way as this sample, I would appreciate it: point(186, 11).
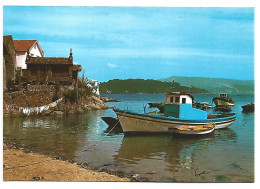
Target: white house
point(23, 47)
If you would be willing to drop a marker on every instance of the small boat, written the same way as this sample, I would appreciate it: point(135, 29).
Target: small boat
point(249, 107)
point(159, 105)
point(223, 100)
point(193, 130)
point(223, 108)
point(178, 111)
point(202, 105)
point(155, 104)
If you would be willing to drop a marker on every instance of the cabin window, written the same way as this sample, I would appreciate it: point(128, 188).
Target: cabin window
point(183, 101)
point(177, 99)
point(171, 99)
point(223, 95)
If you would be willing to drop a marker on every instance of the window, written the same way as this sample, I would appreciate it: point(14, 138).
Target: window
point(171, 99)
point(183, 101)
point(177, 99)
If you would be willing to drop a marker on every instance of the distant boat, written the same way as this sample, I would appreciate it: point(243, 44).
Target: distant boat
point(223, 108)
point(178, 111)
point(202, 105)
point(223, 100)
point(249, 107)
point(194, 130)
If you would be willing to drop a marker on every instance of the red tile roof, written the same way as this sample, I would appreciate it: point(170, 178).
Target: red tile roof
point(25, 45)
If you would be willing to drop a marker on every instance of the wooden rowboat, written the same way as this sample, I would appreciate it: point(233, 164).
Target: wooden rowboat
point(193, 130)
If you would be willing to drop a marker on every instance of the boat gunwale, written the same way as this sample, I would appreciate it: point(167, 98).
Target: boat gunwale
point(182, 120)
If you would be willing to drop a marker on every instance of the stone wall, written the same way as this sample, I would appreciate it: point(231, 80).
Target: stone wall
point(31, 96)
point(4, 76)
point(9, 58)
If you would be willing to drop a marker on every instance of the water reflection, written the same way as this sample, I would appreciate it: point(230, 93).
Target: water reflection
point(226, 155)
point(59, 136)
point(175, 155)
point(143, 147)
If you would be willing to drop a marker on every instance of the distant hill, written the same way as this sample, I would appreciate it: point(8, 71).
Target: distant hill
point(215, 85)
point(149, 86)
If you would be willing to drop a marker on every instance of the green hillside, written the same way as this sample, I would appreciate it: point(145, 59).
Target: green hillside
point(215, 85)
point(149, 86)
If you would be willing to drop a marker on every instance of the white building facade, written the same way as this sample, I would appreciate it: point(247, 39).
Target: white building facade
point(23, 47)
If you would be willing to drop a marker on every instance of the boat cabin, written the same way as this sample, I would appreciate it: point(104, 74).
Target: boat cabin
point(224, 95)
point(179, 105)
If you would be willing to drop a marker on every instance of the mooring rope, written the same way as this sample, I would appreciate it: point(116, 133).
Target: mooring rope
point(26, 165)
point(104, 136)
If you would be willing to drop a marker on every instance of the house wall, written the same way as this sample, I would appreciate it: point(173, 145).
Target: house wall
point(20, 59)
point(35, 51)
point(21, 56)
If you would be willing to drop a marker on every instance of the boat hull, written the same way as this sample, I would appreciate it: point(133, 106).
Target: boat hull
point(134, 122)
point(248, 108)
point(223, 102)
point(194, 130)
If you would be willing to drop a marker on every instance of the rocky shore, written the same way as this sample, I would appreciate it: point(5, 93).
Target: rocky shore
point(22, 165)
point(36, 98)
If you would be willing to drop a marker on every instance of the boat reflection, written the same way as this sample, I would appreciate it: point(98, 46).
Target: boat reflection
point(176, 151)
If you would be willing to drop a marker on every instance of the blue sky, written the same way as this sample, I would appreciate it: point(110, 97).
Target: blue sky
point(142, 42)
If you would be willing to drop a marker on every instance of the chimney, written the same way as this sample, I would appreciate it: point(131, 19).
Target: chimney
point(70, 52)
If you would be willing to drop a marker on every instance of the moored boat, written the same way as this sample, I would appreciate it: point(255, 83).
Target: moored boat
point(178, 111)
point(223, 108)
point(223, 100)
point(202, 105)
point(249, 107)
point(194, 130)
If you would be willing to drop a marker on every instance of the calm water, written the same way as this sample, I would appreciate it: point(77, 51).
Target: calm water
point(225, 156)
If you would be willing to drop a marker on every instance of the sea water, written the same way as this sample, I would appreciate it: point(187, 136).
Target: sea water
point(227, 155)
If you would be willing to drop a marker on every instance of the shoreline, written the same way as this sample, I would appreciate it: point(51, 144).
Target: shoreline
point(25, 165)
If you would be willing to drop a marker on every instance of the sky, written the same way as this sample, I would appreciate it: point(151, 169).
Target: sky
point(141, 42)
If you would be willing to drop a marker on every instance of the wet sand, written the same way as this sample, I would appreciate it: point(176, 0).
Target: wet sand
point(21, 166)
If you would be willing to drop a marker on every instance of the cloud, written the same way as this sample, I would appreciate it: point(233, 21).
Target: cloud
point(162, 52)
point(111, 65)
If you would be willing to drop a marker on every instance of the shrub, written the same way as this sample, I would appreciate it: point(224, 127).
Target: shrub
point(71, 96)
point(10, 85)
point(55, 97)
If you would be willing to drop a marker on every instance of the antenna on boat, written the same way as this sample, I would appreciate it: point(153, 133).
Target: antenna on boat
point(173, 85)
point(144, 106)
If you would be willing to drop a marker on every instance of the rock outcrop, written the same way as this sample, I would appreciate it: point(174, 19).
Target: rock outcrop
point(13, 101)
